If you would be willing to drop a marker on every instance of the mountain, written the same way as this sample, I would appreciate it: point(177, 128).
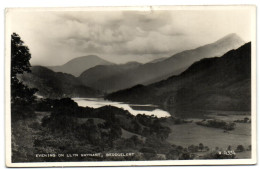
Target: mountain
point(56, 84)
point(219, 83)
point(157, 60)
point(104, 77)
point(78, 65)
point(174, 65)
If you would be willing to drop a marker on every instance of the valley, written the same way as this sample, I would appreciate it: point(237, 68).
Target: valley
point(192, 105)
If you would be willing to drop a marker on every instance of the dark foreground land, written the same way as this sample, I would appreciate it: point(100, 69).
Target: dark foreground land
point(60, 130)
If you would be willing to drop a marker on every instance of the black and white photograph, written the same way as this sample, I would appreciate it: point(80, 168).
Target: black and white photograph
point(111, 86)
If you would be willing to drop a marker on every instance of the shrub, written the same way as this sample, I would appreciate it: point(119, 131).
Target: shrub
point(240, 148)
point(148, 152)
point(217, 124)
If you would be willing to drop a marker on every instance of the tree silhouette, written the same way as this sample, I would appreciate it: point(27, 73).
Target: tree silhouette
point(240, 148)
point(20, 56)
point(201, 146)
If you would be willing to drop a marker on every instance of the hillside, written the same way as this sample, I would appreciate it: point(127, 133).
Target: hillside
point(104, 77)
point(55, 85)
point(157, 60)
point(78, 65)
point(219, 83)
point(155, 71)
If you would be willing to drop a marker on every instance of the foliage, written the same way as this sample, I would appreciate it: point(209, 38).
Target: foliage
point(245, 120)
point(179, 153)
point(68, 128)
point(198, 148)
point(217, 124)
point(22, 138)
point(20, 56)
point(240, 148)
point(148, 152)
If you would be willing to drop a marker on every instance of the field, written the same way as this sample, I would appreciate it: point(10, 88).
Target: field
point(190, 133)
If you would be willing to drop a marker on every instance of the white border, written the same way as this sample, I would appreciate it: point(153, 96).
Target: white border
point(135, 163)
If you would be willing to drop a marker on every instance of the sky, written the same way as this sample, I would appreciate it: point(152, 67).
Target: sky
point(56, 36)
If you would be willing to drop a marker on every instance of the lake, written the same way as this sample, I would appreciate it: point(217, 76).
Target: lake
point(147, 109)
point(189, 133)
point(156, 110)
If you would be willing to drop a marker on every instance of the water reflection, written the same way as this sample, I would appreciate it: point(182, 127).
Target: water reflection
point(132, 108)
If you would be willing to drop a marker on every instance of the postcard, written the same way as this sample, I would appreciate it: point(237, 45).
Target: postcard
point(130, 86)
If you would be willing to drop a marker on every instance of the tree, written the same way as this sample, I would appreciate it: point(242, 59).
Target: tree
point(206, 148)
point(192, 148)
point(246, 119)
point(148, 152)
point(201, 147)
point(240, 148)
point(20, 56)
point(229, 148)
point(173, 154)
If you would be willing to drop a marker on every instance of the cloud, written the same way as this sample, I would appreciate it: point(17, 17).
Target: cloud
point(59, 36)
point(127, 32)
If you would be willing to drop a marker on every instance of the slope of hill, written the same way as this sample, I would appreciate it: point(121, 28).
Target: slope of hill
point(157, 60)
point(56, 85)
point(219, 83)
point(174, 65)
point(78, 65)
point(104, 77)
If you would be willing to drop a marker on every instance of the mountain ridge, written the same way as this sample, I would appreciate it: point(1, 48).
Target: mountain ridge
point(152, 72)
point(104, 76)
point(77, 65)
point(219, 83)
point(56, 84)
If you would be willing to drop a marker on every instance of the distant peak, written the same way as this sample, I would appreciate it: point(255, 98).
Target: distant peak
point(230, 37)
point(88, 57)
